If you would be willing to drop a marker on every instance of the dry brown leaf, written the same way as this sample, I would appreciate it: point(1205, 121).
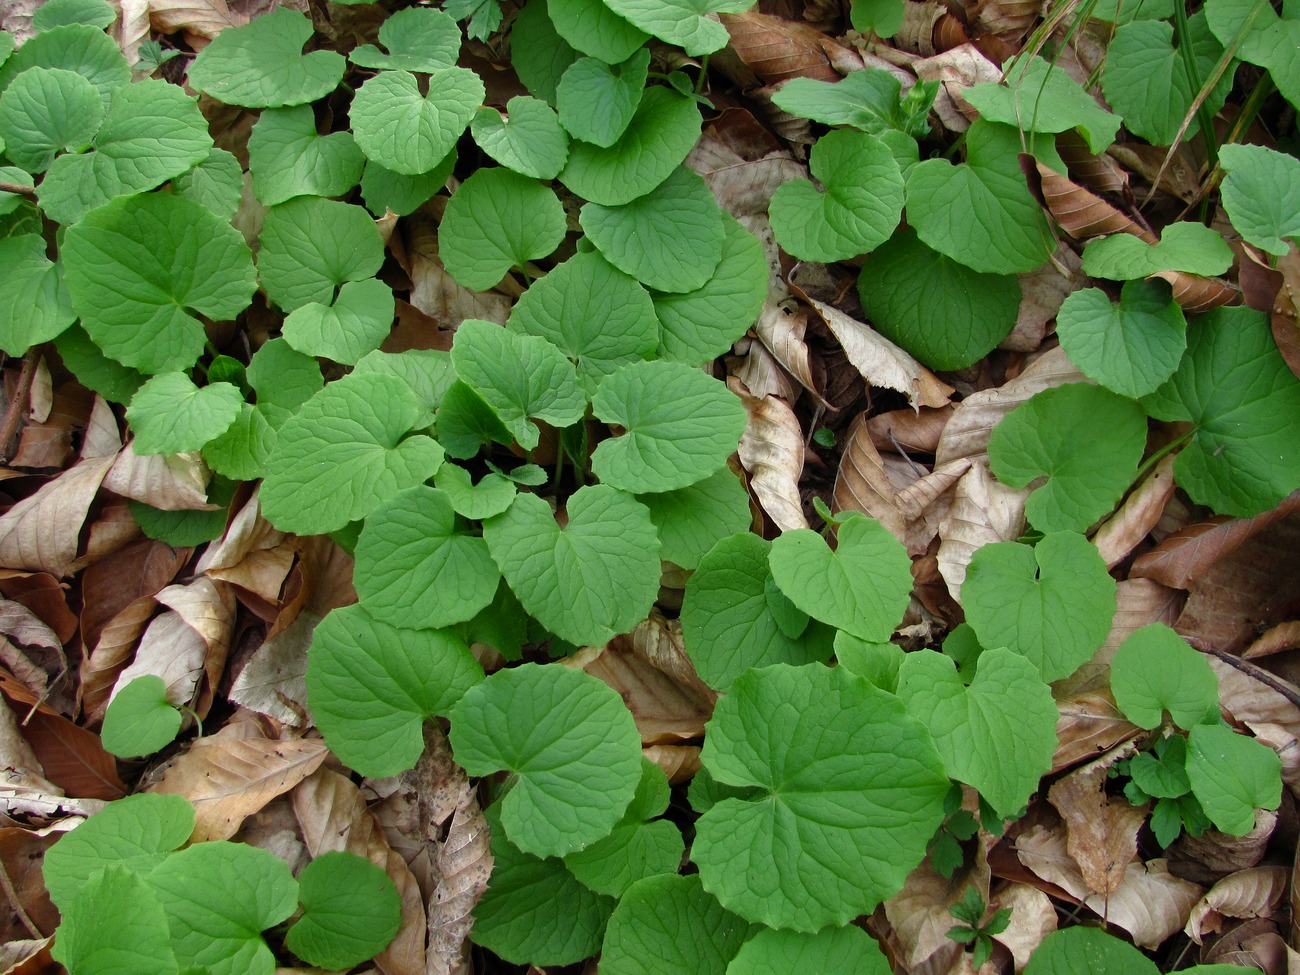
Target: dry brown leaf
point(1042, 292)
point(101, 437)
point(1254, 702)
point(131, 29)
point(777, 49)
point(679, 762)
point(252, 554)
point(173, 482)
point(780, 327)
point(961, 68)
point(1287, 747)
point(1089, 725)
point(922, 495)
point(206, 18)
point(1004, 17)
point(1080, 214)
point(1126, 528)
point(759, 372)
point(742, 186)
point(40, 531)
point(1101, 174)
point(983, 511)
point(274, 680)
point(25, 628)
point(1196, 294)
point(1284, 636)
point(43, 595)
point(21, 855)
point(862, 484)
point(1212, 856)
point(435, 293)
point(908, 431)
point(1285, 307)
point(1033, 918)
point(20, 769)
point(919, 914)
point(1101, 832)
point(1256, 892)
point(771, 451)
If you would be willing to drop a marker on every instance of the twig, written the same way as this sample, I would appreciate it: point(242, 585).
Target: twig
point(8, 886)
point(18, 189)
point(1259, 673)
point(13, 412)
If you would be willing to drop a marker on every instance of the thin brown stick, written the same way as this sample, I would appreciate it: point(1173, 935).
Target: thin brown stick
point(1259, 673)
point(18, 189)
point(8, 886)
point(14, 411)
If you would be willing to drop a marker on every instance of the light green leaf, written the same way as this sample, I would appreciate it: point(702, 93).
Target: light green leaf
point(497, 220)
point(411, 133)
point(593, 313)
point(679, 426)
point(683, 23)
point(45, 111)
point(59, 13)
point(1053, 603)
point(466, 422)
point(571, 745)
point(153, 131)
point(1154, 671)
point(883, 17)
point(490, 496)
point(1188, 246)
point(1086, 441)
point(594, 29)
point(371, 686)
point(188, 528)
point(862, 587)
point(140, 720)
point(216, 182)
point(351, 911)
point(522, 377)
point(870, 100)
point(877, 662)
point(596, 101)
point(670, 239)
point(663, 129)
point(1235, 389)
point(289, 158)
point(1039, 97)
point(76, 47)
point(282, 376)
point(592, 580)
point(311, 246)
point(23, 214)
point(940, 311)
point(383, 189)
point(859, 209)
point(261, 64)
point(142, 268)
point(1262, 195)
point(1087, 951)
point(1261, 37)
point(360, 318)
point(997, 735)
point(503, 626)
point(528, 139)
point(691, 519)
point(1130, 348)
point(1163, 773)
point(114, 925)
point(428, 372)
point(671, 923)
point(416, 567)
point(832, 951)
point(850, 790)
point(94, 370)
point(342, 455)
point(169, 414)
point(538, 54)
point(418, 39)
point(1232, 776)
point(244, 451)
point(980, 213)
point(34, 302)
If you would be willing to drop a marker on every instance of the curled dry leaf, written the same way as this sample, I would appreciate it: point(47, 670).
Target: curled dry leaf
point(1287, 747)
point(1033, 918)
point(1256, 892)
point(742, 186)
point(40, 532)
point(759, 372)
point(1101, 832)
point(771, 451)
point(206, 18)
point(920, 21)
point(1089, 725)
point(252, 554)
point(20, 769)
point(1080, 213)
point(679, 762)
point(1284, 636)
point(1101, 174)
point(923, 495)
point(1042, 293)
point(1254, 702)
point(909, 431)
point(173, 482)
point(961, 68)
point(1004, 17)
point(1197, 294)
point(919, 914)
point(983, 511)
point(1126, 528)
point(1211, 856)
point(776, 49)
point(862, 484)
point(780, 327)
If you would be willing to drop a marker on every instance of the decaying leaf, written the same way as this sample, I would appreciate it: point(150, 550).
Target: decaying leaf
point(771, 451)
point(983, 511)
point(1101, 832)
point(40, 532)
point(1256, 892)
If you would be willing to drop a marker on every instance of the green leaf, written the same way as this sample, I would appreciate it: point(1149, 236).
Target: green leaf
point(870, 100)
point(671, 923)
point(497, 220)
point(833, 951)
point(883, 17)
point(502, 626)
point(490, 496)
point(1039, 97)
point(243, 452)
point(24, 216)
point(1087, 951)
point(76, 47)
point(538, 54)
point(527, 139)
point(1261, 193)
point(939, 310)
point(188, 528)
point(142, 268)
point(596, 101)
point(698, 326)
point(416, 567)
point(216, 182)
point(571, 745)
point(1130, 348)
point(1235, 389)
point(383, 189)
point(484, 16)
point(351, 911)
point(594, 29)
point(261, 64)
point(683, 23)
point(94, 370)
point(35, 305)
point(1086, 441)
point(466, 422)
point(343, 455)
point(592, 580)
point(1261, 37)
point(59, 13)
point(850, 791)
point(691, 519)
point(877, 662)
point(289, 158)
point(859, 209)
point(1165, 773)
point(218, 898)
point(1232, 776)
point(140, 720)
point(1188, 246)
point(114, 925)
point(359, 319)
point(371, 686)
point(663, 130)
point(417, 38)
point(980, 213)
point(679, 426)
point(311, 246)
point(152, 132)
point(136, 833)
point(169, 414)
point(411, 133)
point(592, 312)
point(282, 376)
point(997, 735)
point(428, 372)
point(45, 111)
point(1053, 603)
point(1155, 671)
point(862, 587)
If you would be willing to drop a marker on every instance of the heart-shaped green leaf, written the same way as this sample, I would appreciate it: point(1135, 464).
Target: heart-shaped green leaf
point(1039, 97)
point(282, 376)
point(1232, 776)
point(35, 305)
point(418, 39)
point(355, 324)
point(350, 911)
point(74, 47)
point(289, 158)
point(1262, 195)
point(1259, 35)
point(683, 23)
point(538, 53)
point(311, 246)
point(692, 518)
point(1189, 246)
point(596, 101)
point(169, 414)
point(528, 138)
point(140, 720)
point(490, 496)
point(870, 100)
point(1154, 671)
point(497, 220)
point(1087, 951)
point(124, 922)
point(831, 951)
point(45, 111)
point(1130, 348)
point(57, 13)
point(383, 189)
point(595, 29)
point(411, 133)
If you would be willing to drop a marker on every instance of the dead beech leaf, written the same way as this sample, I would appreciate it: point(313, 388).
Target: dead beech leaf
point(982, 511)
point(206, 18)
point(1197, 294)
point(919, 914)
point(1254, 702)
point(742, 186)
point(907, 431)
point(777, 49)
point(1101, 831)
point(435, 293)
point(173, 482)
point(274, 680)
point(771, 451)
point(1211, 856)
point(679, 762)
point(20, 769)
point(1089, 725)
point(1101, 174)
point(131, 29)
point(1285, 307)
point(1126, 528)
point(920, 497)
point(1033, 918)
point(1081, 214)
point(1256, 892)
point(1284, 636)
point(252, 554)
point(780, 327)
point(1042, 292)
point(759, 372)
point(862, 484)
point(958, 69)
point(40, 531)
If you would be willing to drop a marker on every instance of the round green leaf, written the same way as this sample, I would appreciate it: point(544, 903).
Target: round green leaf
point(45, 111)
point(861, 587)
point(1190, 247)
point(1262, 195)
point(216, 182)
point(858, 209)
point(1041, 97)
point(35, 305)
point(282, 376)
point(596, 101)
point(188, 528)
point(169, 414)
point(538, 54)
point(140, 270)
point(1154, 671)
point(592, 580)
point(1232, 776)
point(360, 318)
point(1130, 348)
point(415, 567)
point(81, 48)
point(115, 926)
point(428, 372)
point(384, 190)
point(411, 133)
point(832, 951)
point(311, 246)
point(243, 451)
point(527, 139)
point(289, 158)
point(849, 792)
point(1087, 951)
point(684, 23)
point(466, 422)
point(679, 426)
point(1052, 603)
point(140, 720)
point(58, 13)
point(497, 220)
point(371, 686)
point(261, 64)
point(351, 911)
point(940, 311)
point(418, 39)
point(1086, 441)
point(570, 743)
point(594, 29)
point(691, 519)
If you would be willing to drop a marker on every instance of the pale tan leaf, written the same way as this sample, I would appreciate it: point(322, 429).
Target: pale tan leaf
point(771, 451)
point(961, 68)
point(919, 497)
point(758, 371)
point(114, 529)
point(435, 293)
point(742, 186)
point(1213, 855)
point(252, 554)
point(101, 437)
point(1126, 528)
point(131, 29)
point(1033, 918)
point(20, 769)
point(25, 628)
point(1287, 747)
point(1256, 892)
point(919, 912)
point(206, 18)
point(173, 482)
point(983, 511)
point(40, 531)
point(1284, 636)
point(920, 26)
point(1252, 701)
point(679, 762)
point(781, 326)
point(1042, 293)
point(1101, 831)
point(909, 431)
point(658, 641)
point(274, 680)
point(862, 484)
